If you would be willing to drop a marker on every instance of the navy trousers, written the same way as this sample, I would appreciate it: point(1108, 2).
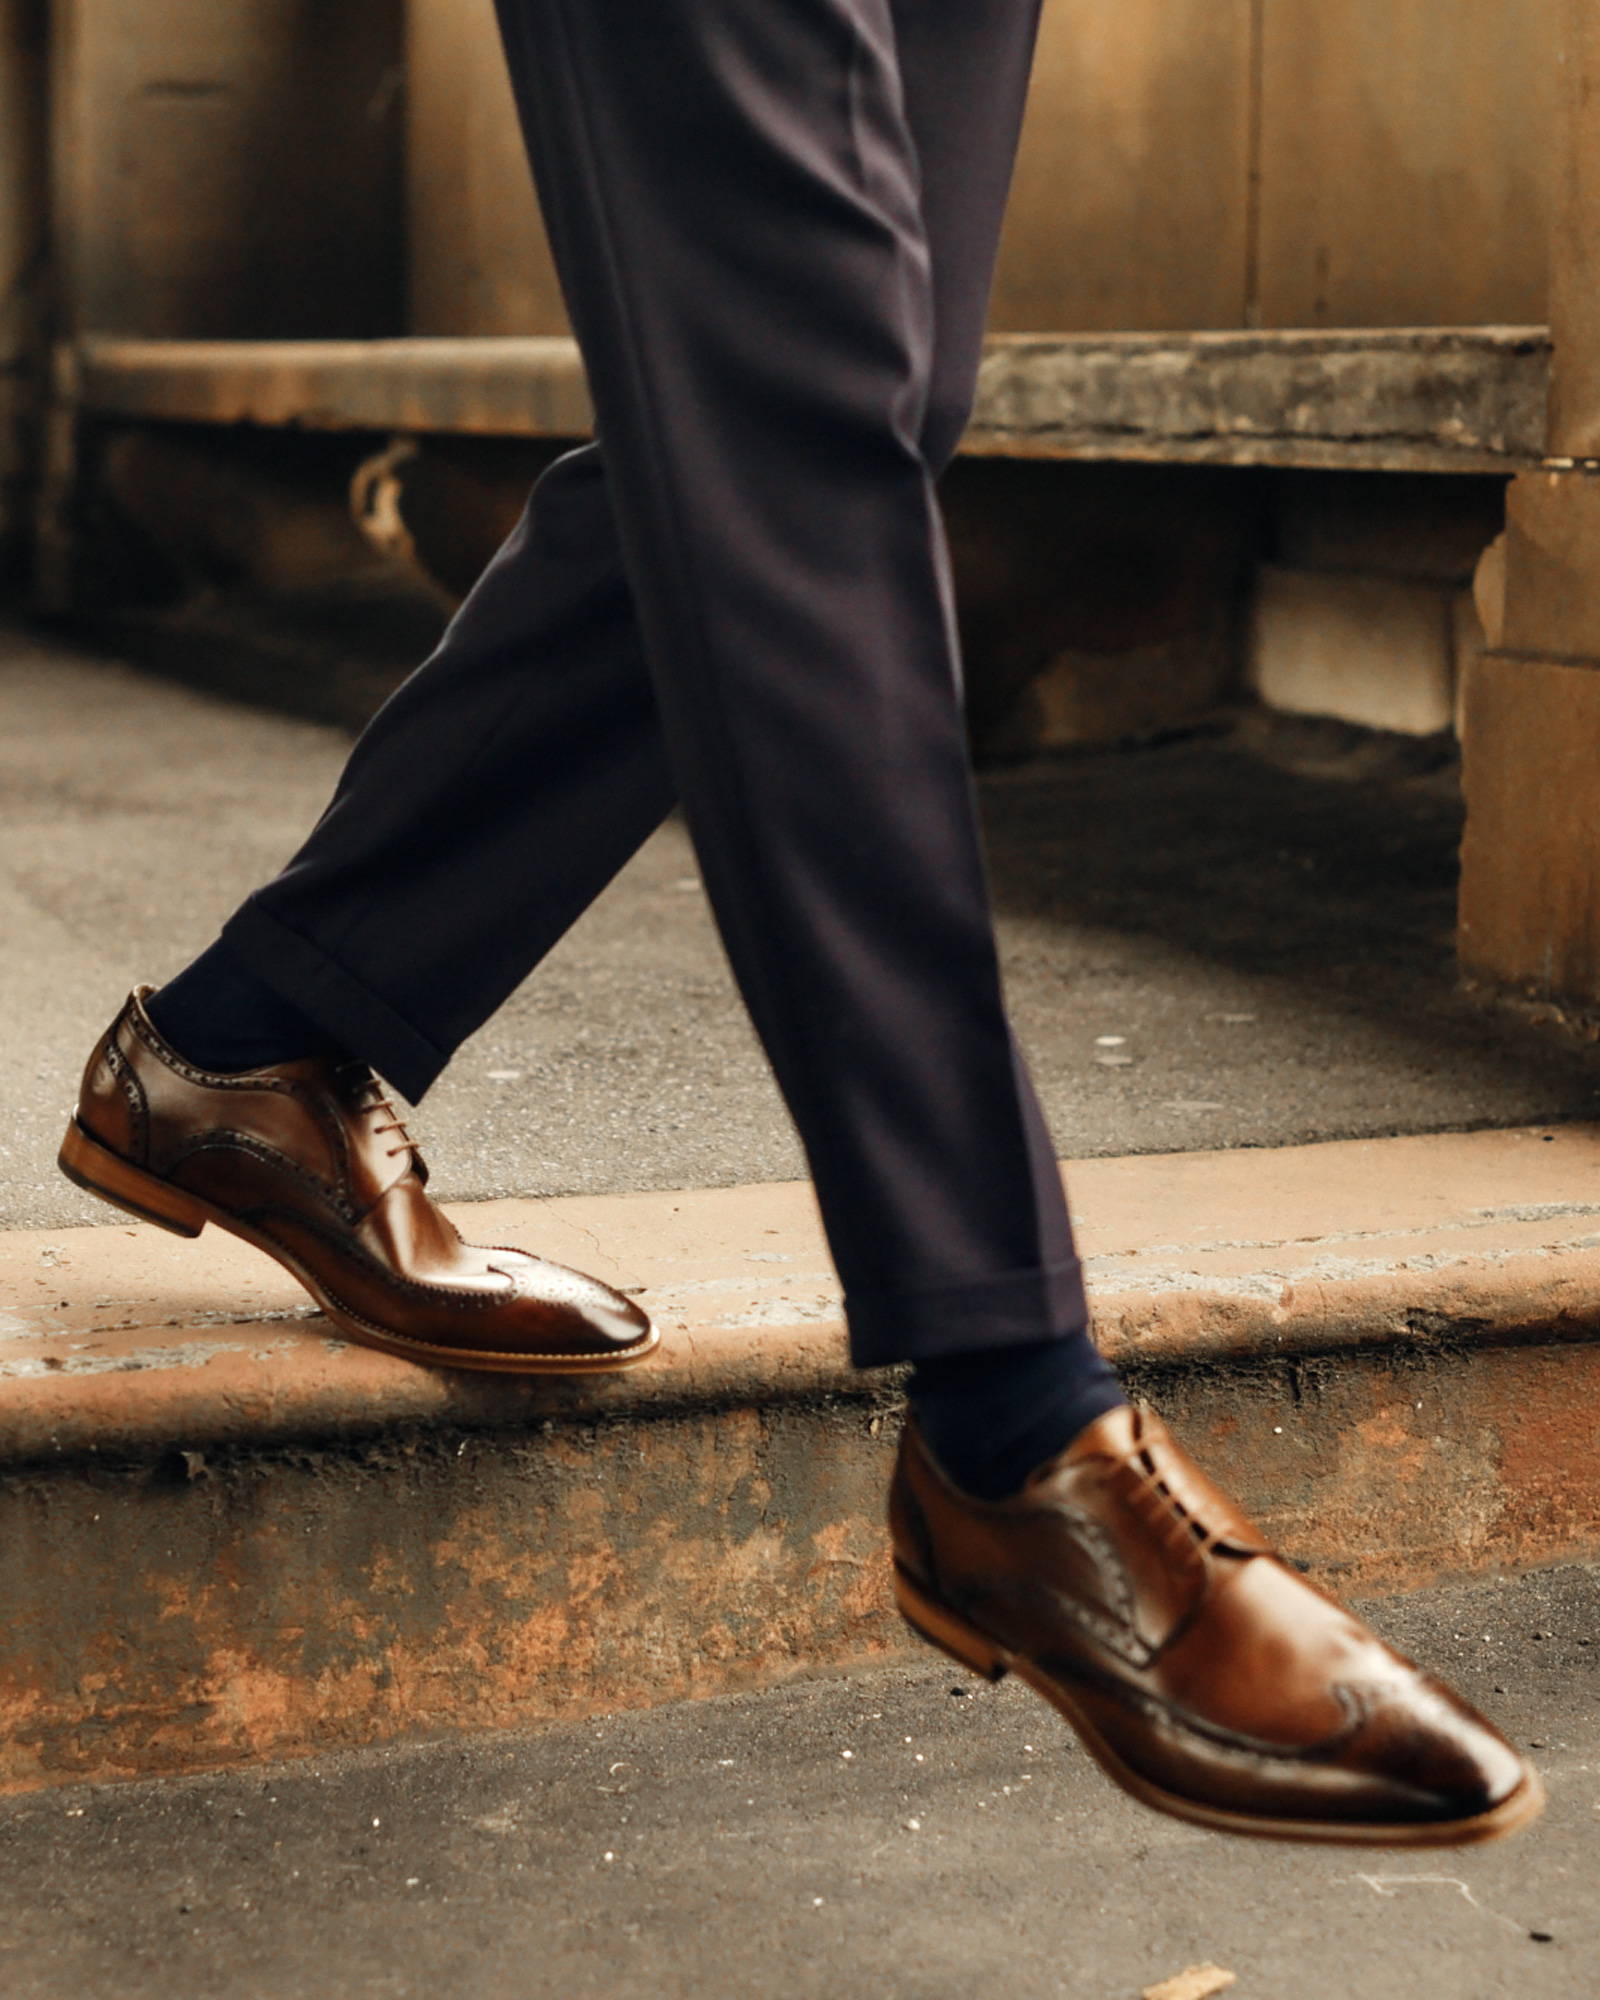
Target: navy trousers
point(775, 223)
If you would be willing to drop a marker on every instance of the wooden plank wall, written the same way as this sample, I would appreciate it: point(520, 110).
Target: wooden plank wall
point(1186, 163)
point(1280, 163)
point(1129, 210)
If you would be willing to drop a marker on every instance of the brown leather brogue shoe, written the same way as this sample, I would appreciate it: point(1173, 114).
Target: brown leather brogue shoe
point(309, 1161)
point(1205, 1676)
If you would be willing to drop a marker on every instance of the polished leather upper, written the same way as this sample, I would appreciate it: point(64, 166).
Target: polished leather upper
point(1198, 1659)
point(312, 1157)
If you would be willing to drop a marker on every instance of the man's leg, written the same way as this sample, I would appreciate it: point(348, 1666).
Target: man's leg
point(267, 1120)
point(406, 890)
point(402, 960)
point(522, 758)
point(759, 329)
point(485, 806)
point(774, 287)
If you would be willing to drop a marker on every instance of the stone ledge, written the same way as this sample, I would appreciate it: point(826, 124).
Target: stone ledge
point(1426, 399)
point(124, 1342)
point(1403, 399)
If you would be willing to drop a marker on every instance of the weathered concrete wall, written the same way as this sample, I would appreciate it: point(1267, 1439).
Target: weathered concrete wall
point(1365, 612)
point(1186, 163)
point(256, 1605)
point(1405, 161)
point(228, 170)
point(479, 261)
point(24, 270)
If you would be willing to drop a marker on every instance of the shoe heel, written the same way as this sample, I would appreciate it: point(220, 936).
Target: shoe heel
point(89, 1165)
point(943, 1629)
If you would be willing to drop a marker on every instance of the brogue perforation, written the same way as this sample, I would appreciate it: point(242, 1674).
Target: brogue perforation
point(310, 1162)
point(1255, 1705)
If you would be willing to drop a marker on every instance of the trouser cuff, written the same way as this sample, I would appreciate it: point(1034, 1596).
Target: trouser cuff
point(1016, 1309)
point(356, 1017)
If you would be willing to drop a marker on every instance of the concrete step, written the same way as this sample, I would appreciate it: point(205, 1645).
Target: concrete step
point(227, 1536)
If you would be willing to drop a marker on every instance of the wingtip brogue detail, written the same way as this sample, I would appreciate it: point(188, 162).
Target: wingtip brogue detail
point(1206, 1677)
point(311, 1162)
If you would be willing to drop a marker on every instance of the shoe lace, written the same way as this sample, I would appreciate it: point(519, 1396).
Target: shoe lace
point(1172, 1515)
point(369, 1098)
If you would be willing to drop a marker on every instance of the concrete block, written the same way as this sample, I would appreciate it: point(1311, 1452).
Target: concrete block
point(1552, 601)
point(1414, 525)
point(1367, 649)
point(1454, 401)
point(1530, 857)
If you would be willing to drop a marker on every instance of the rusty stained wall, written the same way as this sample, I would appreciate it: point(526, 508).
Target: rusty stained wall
point(1186, 163)
point(234, 1607)
point(268, 1605)
point(229, 168)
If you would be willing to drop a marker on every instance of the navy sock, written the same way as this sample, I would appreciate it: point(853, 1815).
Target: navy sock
point(218, 1015)
point(991, 1417)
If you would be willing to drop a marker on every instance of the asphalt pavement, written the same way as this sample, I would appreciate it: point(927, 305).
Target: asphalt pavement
point(1237, 939)
point(897, 1834)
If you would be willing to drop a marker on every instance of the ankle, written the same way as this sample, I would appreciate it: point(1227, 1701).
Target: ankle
point(991, 1418)
point(219, 1016)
